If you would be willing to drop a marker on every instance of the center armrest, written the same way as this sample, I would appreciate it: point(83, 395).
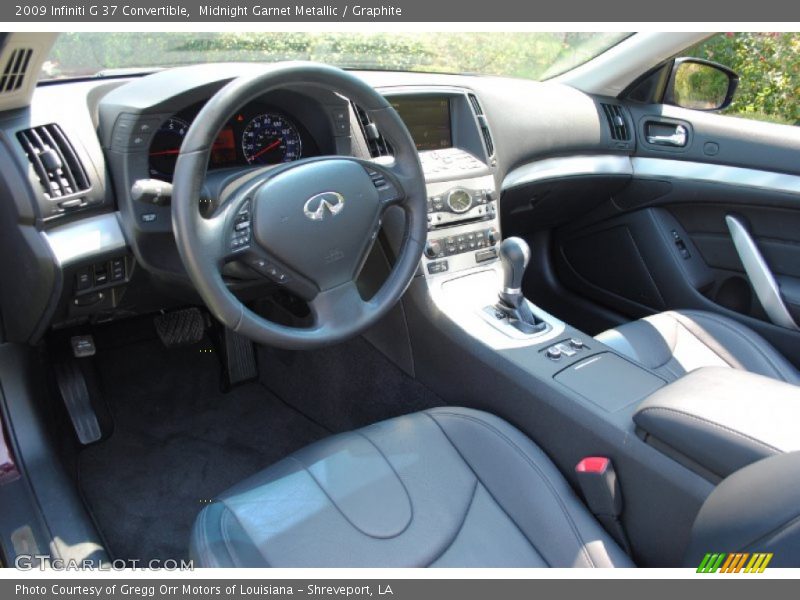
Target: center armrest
point(722, 419)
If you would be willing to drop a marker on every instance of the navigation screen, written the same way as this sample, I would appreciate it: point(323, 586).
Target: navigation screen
point(428, 120)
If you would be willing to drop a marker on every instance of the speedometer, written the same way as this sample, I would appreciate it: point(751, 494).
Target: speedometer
point(270, 138)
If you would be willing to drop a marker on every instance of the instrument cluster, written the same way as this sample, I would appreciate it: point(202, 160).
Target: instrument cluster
point(258, 134)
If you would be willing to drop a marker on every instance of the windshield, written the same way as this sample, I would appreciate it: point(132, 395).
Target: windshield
point(526, 55)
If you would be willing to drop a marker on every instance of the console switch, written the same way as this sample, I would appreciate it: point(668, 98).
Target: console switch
point(117, 269)
point(83, 279)
point(484, 255)
point(566, 349)
point(439, 266)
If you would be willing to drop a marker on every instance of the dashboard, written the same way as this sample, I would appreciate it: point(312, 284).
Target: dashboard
point(100, 253)
point(259, 134)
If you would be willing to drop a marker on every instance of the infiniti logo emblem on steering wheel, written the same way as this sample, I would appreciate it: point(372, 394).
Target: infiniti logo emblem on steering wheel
point(318, 207)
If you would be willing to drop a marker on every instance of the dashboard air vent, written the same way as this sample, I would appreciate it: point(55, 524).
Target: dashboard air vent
point(617, 124)
point(54, 161)
point(14, 72)
point(484, 125)
point(378, 146)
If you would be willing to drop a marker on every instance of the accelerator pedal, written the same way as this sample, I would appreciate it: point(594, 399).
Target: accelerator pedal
point(238, 358)
point(181, 327)
point(74, 389)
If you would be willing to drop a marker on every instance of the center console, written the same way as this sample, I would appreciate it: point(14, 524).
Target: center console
point(474, 277)
point(457, 157)
point(475, 340)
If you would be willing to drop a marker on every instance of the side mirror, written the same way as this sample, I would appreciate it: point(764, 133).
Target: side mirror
point(700, 85)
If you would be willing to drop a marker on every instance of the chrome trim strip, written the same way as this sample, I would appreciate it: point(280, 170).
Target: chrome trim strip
point(737, 176)
point(86, 238)
point(653, 168)
point(759, 274)
point(568, 166)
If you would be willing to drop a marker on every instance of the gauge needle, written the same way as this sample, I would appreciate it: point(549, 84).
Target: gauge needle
point(165, 152)
point(272, 146)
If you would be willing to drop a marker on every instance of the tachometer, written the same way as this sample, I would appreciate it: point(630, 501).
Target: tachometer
point(165, 147)
point(271, 138)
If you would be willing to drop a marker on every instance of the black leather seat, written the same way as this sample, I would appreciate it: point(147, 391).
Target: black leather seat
point(445, 487)
point(676, 342)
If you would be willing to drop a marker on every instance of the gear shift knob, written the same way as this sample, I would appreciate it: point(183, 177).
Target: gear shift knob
point(514, 257)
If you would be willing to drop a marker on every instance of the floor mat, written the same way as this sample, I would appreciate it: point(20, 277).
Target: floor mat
point(177, 442)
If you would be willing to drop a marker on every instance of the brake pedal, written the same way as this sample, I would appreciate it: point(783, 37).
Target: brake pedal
point(180, 327)
point(239, 358)
point(74, 390)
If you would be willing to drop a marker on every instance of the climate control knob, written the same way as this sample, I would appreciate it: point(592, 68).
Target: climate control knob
point(493, 236)
point(432, 249)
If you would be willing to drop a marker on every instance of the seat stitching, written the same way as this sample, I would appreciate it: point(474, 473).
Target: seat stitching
point(535, 468)
point(755, 344)
point(205, 538)
point(335, 505)
point(460, 525)
point(400, 479)
point(777, 530)
point(773, 449)
point(669, 370)
point(226, 538)
point(675, 317)
point(488, 491)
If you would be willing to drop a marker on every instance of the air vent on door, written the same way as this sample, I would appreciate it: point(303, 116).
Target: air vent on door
point(484, 125)
point(617, 124)
point(15, 69)
point(54, 161)
point(378, 146)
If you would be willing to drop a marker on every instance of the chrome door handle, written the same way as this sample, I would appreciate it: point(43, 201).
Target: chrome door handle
point(677, 139)
point(761, 278)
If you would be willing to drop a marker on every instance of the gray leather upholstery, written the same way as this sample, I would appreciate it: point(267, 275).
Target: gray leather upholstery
point(724, 419)
point(757, 509)
point(676, 342)
point(448, 487)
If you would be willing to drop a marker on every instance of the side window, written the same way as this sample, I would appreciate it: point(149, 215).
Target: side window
point(768, 64)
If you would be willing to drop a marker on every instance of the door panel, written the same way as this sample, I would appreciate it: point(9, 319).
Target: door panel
point(673, 215)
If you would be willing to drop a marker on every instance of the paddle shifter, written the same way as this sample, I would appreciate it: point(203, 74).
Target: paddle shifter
point(514, 257)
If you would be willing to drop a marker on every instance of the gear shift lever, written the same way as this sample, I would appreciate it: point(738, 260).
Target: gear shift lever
point(514, 257)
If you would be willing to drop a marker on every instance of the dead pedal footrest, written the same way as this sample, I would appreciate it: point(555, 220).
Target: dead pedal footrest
point(77, 399)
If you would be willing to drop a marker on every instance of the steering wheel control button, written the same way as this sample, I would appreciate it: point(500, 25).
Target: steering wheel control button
point(439, 266)
point(241, 229)
point(268, 269)
point(387, 192)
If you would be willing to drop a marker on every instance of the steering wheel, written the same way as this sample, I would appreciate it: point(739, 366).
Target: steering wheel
point(307, 225)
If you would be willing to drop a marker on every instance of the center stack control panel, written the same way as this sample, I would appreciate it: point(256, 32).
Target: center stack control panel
point(463, 229)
